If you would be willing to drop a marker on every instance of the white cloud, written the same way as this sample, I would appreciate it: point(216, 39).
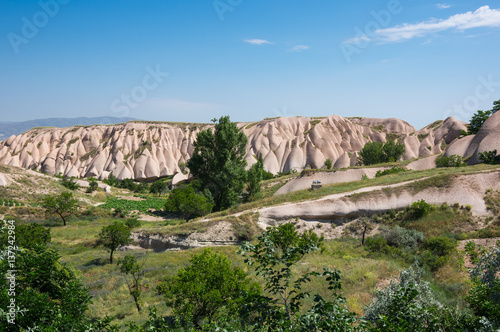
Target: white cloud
point(483, 17)
point(443, 6)
point(258, 41)
point(300, 48)
point(427, 42)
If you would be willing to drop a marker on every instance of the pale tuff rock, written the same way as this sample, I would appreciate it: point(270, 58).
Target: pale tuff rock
point(148, 150)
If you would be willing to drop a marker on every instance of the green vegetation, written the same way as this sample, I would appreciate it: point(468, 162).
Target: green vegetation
point(392, 170)
point(489, 157)
point(254, 178)
point(378, 152)
point(69, 183)
point(189, 203)
point(129, 265)
point(218, 162)
point(328, 163)
point(113, 236)
point(146, 205)
point(451, 161)
point(64, 205)
point(93, 185)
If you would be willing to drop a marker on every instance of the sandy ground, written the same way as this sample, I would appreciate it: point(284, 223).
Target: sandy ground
point(424, 163)
point(467, 189)
point(3, 180)
point(305, 182)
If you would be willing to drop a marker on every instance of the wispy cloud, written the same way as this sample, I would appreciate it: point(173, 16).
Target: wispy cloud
point(443, 6)
point(427, 42)
point(258, 41)
point(482, 17)
point(300, 48)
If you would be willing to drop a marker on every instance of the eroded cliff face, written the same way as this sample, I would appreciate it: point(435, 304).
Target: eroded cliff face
point(148, 150)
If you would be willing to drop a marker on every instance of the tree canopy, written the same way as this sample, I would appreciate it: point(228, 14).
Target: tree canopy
point(63, 205)
point(218, 162)
point(189, 203)
point(113, 236)
point(378, 152)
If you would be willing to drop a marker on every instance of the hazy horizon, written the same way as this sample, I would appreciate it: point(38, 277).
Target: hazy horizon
point(183, 62)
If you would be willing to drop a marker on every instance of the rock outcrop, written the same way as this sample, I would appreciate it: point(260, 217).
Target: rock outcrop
point(149, 150)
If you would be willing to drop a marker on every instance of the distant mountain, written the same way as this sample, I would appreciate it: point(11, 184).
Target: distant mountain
point(8, 128)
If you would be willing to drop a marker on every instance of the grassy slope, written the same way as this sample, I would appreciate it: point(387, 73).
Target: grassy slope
point(361, 270)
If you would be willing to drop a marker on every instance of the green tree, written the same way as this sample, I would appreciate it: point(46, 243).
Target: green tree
point(274, 256)
point(477, 121)
point(113, 236)
point(48, 296)
point(378, 152)
point(188, 203)
point(254, 177)
point(218, 161)
point(328, 163)
point(207, 287)
point(64, 205)
point(496, 106)
point(129, 265)
point(158, 187)
point(28, 236)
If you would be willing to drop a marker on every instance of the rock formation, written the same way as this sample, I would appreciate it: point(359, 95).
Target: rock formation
point(148, 150)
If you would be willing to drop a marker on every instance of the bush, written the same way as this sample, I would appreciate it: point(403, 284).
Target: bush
point(393, 170)
point(70, 183)
point(189, 203)
point(489, 157)
point(378, 152)
point(403, 238)
point(375, 243)
point(419, 209)
point(451, 161)
point(477, 121)
point(328, 163)
point(438, 251)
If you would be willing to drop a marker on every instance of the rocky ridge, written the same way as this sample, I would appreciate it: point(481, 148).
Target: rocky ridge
point(149, 150)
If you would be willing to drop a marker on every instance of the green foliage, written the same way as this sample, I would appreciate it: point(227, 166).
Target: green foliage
point(328, 163)
point(70, 183)
point(496, 106)
point(484, 297)
point(93, 185)
point(254, 177)
point(113, 236)
point(378, 152)
point(128, 184)
point(130, 266)
point(392, 170)
point(189, 203)
point(438, 251)
point(477, 121)
point(143, 206)
point(209, 286)
point(158, 187)
point(410, 305)
point(28, 236)
point(489, 157)
point(451, 161)
point(218, 161)
point(64, 205)
point(278, 250)
point(419, 209)
point(132, 223)
point(402, 238)
point(48, 296)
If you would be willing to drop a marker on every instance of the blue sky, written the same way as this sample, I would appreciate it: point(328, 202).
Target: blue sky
point(177, 60)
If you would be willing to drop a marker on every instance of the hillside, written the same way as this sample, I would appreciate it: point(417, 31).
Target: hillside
point(149, 150)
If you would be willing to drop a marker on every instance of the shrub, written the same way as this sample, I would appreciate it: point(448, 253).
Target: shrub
point(438, 251)
point(70, 183)
point(328, 163)
point(378, 152)
point(489, 157)
point(393, 170)
point(375, 243)
point(403, 238)
point(451, 161)
point(188, 203)
point(419, 209)
point(477, 121)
